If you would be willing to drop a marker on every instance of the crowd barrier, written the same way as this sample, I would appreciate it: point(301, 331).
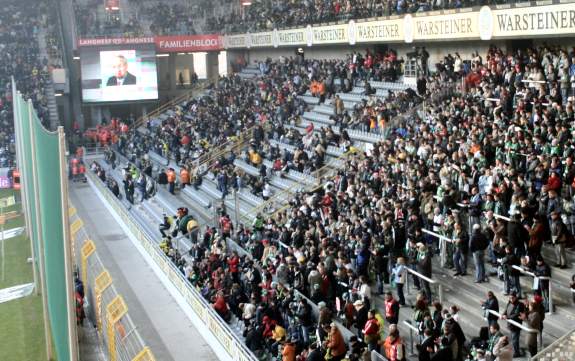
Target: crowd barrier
point(423, 279)
point(412, 340)
point(204, 311)
point(104, 306)
point(523, 328)
point(463, 209)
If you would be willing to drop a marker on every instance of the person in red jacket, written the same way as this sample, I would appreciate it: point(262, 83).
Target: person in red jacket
point(371, 331)
point(233, 263)
point(391, 309)
point(269, 326)
point(221, 306)
point(554, 182)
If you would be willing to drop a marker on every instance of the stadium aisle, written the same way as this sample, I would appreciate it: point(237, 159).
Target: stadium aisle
point(161, 322)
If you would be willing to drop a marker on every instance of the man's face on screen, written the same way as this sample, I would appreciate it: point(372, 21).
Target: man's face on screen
point(120, 67)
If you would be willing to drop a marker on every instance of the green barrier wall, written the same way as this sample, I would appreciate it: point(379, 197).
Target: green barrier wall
point(40, 168)
point(50, 207)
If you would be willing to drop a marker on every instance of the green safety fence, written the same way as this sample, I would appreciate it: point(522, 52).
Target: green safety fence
point(40, 161)
point(52, 227)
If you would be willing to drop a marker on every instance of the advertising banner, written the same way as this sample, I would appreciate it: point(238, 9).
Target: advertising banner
point(259, 40)
point(442, 27)
point(291, 37)
point(379, 31)
point(534, 21)
point(331, 34)
point(115, 41)
point(188, 43)
point(235, 41)
point(501, 21)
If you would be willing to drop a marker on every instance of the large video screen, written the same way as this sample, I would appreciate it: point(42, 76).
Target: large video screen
point(118, 75)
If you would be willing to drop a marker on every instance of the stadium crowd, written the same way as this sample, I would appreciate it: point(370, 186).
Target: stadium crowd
point(21, 60)
point(271, 103)
point(113, 24)
point(502, 147)
point(177, 17)
point(168, 19)
point(264, 15)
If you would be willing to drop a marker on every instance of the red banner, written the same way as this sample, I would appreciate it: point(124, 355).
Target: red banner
point(188, 43)
point(115, 41)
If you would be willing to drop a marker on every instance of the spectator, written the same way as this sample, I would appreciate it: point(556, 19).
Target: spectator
point(371, 331)
point(335, 343)
point(391, 309)
point(532, 320)
point(400, 275)
point(491, 304)
point(494, 336)
point(477, 245)
point(513, 312)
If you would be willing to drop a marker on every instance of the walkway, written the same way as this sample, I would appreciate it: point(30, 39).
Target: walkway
point(161, 322)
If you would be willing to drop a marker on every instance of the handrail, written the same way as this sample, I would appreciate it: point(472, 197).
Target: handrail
point(426, 279)
point(499, 216)
point(298, 186)
point(188, 94)
point(437, 235)
point(222, 149)
point(200, 306)
point(412, 329)
point(442, 244)
point(517, 324)
point(534, 81)
point(514, 323)
point(545, 278)
point(524, 271)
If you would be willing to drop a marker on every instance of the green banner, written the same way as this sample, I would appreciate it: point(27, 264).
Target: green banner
point(26, 168)
point(47, 161)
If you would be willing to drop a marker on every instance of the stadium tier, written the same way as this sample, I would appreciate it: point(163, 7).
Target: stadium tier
point(289, 180)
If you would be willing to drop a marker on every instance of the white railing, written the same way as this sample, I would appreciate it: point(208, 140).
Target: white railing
point(425, 279)
point(540, 278)
point(412, 329)
point(442, 244)
point(518, 325)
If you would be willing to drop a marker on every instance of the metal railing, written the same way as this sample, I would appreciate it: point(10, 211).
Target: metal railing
point(214, 323)
point(205, 162)
point(327, 171)
point(323, 176)
point(106, 308)
point(425, 279)
point(170, 104)
point(412, 330)
point(443, 240)
point(518, 325)
point(540, 278)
